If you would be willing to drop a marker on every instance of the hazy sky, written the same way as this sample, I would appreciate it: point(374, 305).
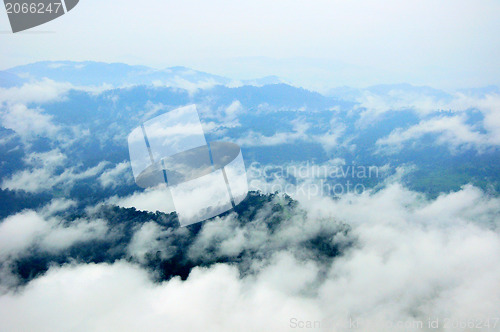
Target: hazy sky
point(446, 44)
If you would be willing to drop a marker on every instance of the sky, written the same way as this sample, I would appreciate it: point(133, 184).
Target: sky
point(446, 44)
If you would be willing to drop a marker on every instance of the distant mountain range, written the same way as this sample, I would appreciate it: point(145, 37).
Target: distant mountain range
point(91, 73)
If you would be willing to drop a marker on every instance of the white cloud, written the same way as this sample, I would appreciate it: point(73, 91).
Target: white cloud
point(28, 122)
point(35, 92)
point(450, 130)
point(18, 232)
point(58, 205)
point(226, 116)
point(453, 129)
point(149, 238)
point(373, 104)
point(490, 106)
point(117, 175)
point(191, 85)
point(29, 228)
point(231, 113)
point(151, 199)
point(257, 139)
point(412, 258)
point(417, 257)
point(121, 297)
point(63, 236)
point(50, 159)
point(44, 175)
point(33, 181)
point(329, 140)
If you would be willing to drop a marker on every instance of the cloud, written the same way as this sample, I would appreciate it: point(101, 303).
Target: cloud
point(58, 205)
point(422, 100)
point(34, 92)
point(45, 173)
point(191, 86)
point(149, 238)
point(29, 228)
point(151, 199)
point(20, 110)
point(257, 139)
point(121, 297)
point(18, 232)
point(400, 276)
point(417, 258)
point(27, 122)
point(404, 258)
point(50, 159)
point(61, 236)
point(411, 259)
point(329, 140)
point(450, 130)
point(490, 105)
point(117, 175)
point(227, 116)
